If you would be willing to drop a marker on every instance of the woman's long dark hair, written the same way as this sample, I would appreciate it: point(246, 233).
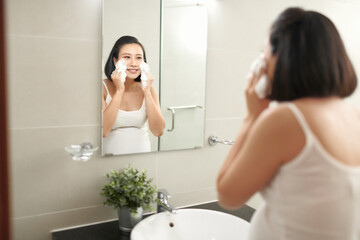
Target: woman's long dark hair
point(311, 57)
point(110, 65)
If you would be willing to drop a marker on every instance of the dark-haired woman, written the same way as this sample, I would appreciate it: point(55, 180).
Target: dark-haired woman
point(126, 106)
point(303, 155)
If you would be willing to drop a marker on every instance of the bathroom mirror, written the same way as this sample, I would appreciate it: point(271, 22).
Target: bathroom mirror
point(174, 35)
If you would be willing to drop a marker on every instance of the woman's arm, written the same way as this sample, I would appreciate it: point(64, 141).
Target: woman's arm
point(239, 141)
point(255, 107)
point(267, 140)
point(110, 112)
point(153, 111)
point(253, 160)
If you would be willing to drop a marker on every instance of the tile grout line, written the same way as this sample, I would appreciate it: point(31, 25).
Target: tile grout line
point(56, 212)
point(50, 127)
point(51, 37)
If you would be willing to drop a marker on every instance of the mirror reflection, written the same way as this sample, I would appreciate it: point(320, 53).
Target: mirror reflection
point(129, 100)
point(154, 64)
point(183, 74)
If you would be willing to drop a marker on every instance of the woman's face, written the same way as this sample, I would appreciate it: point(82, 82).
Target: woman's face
point(132, 54)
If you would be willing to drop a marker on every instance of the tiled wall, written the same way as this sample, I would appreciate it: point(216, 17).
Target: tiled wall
point(54, 59)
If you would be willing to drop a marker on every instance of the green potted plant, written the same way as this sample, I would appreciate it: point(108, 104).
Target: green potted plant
point(130, 192)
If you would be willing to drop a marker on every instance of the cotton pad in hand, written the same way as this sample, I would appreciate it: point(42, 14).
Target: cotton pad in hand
point(121, 67)
point(262, 84)
point(258, 64)
point(144, 68)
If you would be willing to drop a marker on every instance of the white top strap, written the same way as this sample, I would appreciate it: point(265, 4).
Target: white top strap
point(108, 97)
point(107, 90)
point(300, 118)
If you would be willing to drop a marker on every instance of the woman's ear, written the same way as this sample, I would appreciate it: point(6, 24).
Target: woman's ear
point(115, 60)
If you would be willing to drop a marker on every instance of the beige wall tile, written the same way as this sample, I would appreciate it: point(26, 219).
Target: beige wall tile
point(185, 199)
point(226, 81)
point(54, 82)
point(63, 19)
point(44, 174)
point(242, 25)
point(187, 171)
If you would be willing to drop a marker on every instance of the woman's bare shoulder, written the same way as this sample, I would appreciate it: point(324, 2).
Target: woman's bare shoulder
point(107, 82)
point(279, 128)
point(107, 87)
point(343, 118)
point(277, 115)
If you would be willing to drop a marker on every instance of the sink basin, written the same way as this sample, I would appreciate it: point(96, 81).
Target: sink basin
point(188, 224)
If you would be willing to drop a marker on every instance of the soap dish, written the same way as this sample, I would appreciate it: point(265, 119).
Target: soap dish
point(81, 152)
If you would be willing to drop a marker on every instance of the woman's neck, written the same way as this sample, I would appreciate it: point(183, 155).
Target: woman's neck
point(131, 85)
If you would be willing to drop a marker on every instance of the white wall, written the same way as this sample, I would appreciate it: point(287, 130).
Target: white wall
point(54, 59)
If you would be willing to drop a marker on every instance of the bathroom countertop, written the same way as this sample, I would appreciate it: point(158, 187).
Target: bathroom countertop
point(110, 230)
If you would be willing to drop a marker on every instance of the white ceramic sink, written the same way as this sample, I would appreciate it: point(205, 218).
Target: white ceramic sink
point(188, 224)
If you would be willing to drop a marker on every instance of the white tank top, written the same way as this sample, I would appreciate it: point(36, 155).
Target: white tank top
point(129, 133)
point(314, 196)
point(125, 119)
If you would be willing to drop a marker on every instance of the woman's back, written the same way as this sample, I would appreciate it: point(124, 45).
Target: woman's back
point(336, 124)
point(316, 195)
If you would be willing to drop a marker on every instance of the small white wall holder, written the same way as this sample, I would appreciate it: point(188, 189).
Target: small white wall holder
point(81, 152)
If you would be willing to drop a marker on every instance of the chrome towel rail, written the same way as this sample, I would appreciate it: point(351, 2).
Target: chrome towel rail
point(172, 109)
point(213, 140)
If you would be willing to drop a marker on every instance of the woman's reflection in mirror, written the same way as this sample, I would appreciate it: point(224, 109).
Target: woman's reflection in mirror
point(126, 106)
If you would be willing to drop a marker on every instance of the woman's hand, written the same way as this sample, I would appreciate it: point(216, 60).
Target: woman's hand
point(155, 118)
point(255, 105)
point(116, 78)
point(149, 82)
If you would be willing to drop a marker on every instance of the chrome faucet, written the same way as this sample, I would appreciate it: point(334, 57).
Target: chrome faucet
point(162, 203)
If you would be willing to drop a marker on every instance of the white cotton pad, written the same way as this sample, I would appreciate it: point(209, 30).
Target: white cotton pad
point(258, 64)
point(261, 86)
point(121, 67)
point(144, 68)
